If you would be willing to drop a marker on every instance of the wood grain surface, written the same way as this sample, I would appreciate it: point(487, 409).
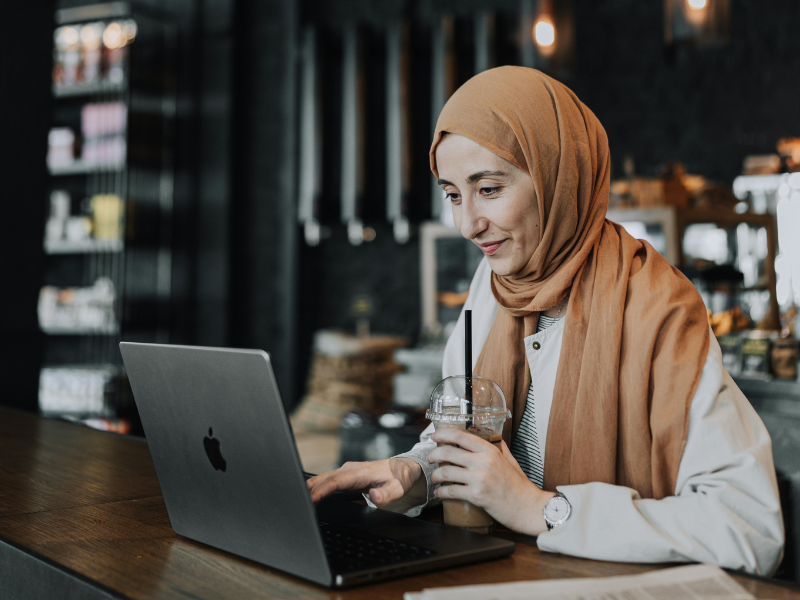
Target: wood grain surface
point(89, 501)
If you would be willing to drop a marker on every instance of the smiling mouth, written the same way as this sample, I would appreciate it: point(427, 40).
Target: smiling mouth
point(491, 247)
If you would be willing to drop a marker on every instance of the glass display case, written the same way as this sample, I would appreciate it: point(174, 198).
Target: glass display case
point(729, 257)
point(107, 237)
point(779, 195)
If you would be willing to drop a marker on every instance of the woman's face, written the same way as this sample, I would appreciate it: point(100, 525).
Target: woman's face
point(494, 202)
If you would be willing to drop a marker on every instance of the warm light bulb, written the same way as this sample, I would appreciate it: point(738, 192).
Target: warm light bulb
point(129, 30)
point(697, 4)
point(112, 36)
point(544, 32)
point(90, 37)
point(66, 37)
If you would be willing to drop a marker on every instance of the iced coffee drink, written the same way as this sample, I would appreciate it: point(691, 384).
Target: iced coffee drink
point(478, 406)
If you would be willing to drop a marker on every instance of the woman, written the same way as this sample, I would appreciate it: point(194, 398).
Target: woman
point(620, 404)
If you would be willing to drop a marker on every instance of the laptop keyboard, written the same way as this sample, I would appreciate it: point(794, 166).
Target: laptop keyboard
point(350, 550)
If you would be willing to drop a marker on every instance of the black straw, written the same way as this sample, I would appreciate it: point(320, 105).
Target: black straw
point(468, 358)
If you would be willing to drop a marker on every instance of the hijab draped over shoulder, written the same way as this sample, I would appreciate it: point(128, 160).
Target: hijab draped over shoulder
point(636, 334)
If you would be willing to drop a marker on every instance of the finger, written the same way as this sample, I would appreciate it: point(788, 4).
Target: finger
point(452, 492)
point(510, 459)
point(341, 480)
point(452, 474)
point(390, 492)
point(451, 454)
point(462, 438)
point(311, 482)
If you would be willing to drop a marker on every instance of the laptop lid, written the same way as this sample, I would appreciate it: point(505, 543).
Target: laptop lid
point(225, 455)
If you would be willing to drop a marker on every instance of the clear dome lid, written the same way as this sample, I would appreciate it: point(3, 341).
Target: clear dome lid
point(452, 402)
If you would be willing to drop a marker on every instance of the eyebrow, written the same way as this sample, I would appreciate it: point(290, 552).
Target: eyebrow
point(475, 176)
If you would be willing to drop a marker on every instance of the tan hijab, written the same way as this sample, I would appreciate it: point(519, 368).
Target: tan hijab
point(636, 334)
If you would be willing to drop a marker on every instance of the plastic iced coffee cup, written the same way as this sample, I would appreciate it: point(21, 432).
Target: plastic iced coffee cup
point(478, 406)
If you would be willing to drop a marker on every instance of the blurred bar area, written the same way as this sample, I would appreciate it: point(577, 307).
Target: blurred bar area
point(255, 174)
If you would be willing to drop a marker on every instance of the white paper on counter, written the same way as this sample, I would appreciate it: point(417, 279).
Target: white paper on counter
point(690, 582)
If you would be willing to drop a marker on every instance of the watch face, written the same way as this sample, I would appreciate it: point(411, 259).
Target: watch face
point(557, 510)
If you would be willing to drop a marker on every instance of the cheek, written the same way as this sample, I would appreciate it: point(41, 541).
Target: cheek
point(522, 226)
point(525, 228)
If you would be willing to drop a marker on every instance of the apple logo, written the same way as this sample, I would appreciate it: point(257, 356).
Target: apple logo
point(212, 450)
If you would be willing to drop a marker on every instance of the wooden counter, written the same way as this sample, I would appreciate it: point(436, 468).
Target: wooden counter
point(81, 516)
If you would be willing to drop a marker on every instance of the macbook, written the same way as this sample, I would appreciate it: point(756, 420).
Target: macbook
point(231, 477)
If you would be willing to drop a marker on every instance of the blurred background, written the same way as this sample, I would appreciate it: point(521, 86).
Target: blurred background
point(254, 173)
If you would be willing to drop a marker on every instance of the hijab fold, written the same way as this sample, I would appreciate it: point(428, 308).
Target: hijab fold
point(636, 333)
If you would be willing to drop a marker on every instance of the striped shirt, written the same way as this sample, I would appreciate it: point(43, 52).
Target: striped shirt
point(525, 445)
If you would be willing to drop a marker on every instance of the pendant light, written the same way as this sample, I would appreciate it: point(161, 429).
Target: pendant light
point(696, 22)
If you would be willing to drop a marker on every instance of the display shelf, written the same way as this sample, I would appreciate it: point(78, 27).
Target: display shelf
point(141, 60)
point(88, 89)
point(93, 12)
point(79, 167)
point(83, 247)
point(674, 221)
point(756, 288)
point(103, 367)
point(758, 183)
point(107, 330)
point(664, 216)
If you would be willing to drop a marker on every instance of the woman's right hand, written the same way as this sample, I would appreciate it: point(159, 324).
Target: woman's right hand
point(386, 480)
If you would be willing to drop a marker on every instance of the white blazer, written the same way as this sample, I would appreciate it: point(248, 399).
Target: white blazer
point(725, 509)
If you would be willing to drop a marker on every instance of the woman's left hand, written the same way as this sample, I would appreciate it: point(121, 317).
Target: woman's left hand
point(489, 478)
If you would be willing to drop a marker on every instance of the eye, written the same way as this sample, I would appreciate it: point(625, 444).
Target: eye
point(488, 191)
point(453, 196)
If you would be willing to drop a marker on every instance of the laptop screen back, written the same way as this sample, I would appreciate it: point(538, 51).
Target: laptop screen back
point(224, 454)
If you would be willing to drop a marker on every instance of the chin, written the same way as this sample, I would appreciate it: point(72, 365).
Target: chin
point(502, 266)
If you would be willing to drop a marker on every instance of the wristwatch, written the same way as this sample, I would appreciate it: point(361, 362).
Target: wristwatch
point(556, 511)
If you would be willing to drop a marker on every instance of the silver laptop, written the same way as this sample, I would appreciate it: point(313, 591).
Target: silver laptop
point(231, 477)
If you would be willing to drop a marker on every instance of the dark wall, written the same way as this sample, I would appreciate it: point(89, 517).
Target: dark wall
point(25, 67)
point(707, 107)
point(203, 128)
point(334, 273)
point(213, 155)
point(263, 311)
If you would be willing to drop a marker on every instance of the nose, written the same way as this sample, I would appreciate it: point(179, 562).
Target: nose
point(472, 221)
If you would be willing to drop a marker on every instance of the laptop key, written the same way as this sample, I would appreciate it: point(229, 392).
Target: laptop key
point(352, 550)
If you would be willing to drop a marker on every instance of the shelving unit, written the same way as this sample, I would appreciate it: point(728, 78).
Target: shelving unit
point(111, 330)
point(83, 247)
point(674, 222)
point(87, 89)
point(80, 167)
point(122, 102)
